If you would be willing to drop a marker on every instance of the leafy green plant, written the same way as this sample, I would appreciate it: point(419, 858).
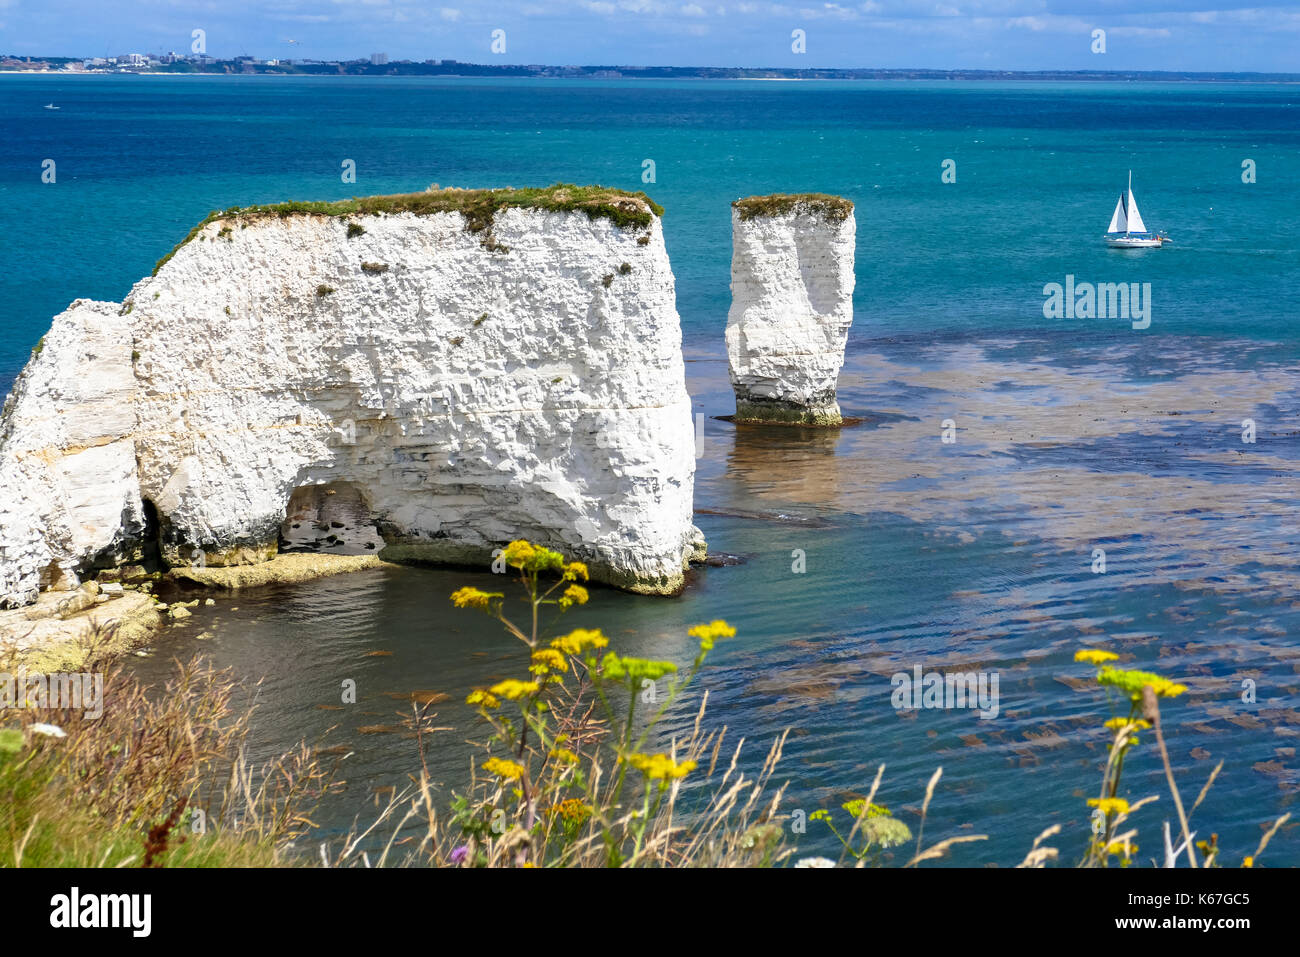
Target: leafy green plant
point(874, 830)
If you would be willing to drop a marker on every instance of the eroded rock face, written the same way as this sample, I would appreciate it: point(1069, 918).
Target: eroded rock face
point(791, 306)
point(68, 480)
point(469, 391)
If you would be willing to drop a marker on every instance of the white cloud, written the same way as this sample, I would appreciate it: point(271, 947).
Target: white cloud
point(450, 14)
point(1141, 31)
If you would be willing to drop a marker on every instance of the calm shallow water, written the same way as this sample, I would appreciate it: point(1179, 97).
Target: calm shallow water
point(1071, 435)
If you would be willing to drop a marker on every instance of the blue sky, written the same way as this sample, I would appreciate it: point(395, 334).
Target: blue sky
point(1214, 35)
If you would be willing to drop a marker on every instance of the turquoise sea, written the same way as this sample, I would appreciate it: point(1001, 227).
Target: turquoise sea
point(977, 555)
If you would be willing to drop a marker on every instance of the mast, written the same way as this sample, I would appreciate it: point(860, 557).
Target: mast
point(1128, 199)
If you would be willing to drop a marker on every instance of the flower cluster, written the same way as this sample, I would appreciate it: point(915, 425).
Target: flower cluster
point(712, 631)
point(634, 670)
point(1124, 849)
point(573, 595)
point(485, 698)
point(512, 689)
point(531, 558)
point(510, 770)
point(580, 640)
point(1095, 656)
point(528, 557)
point(875, 810)
point(571, 810)
point(660, 767)
point(548, 660)
point(1109, 806)
point(470, 597)
point(1132, 683)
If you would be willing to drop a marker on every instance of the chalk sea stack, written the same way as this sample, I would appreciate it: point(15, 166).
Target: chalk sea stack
point(458, 367)
point(791, 306)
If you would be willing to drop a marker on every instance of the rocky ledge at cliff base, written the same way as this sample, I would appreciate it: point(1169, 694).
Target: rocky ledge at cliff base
point(791, 306)
point(421, 377)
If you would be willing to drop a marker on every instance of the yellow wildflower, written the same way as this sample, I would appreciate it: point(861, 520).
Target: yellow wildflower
point(575, 570)
point(532, 558)
point(572, 810)
point(712, 631)
point(510, 770)
point(573, 595)
point(1118, 724)
point(1121, 848)
point(1132, 683)
point(485, 698)
point(564, 756)
point(856, 807)
point(470, 597)
point(580, 640)
point(547, 659)
point(1109, 806)
point(660, 767)
point(513, 690)
point(634, 670)
point(518, 553)
point(1095, 656)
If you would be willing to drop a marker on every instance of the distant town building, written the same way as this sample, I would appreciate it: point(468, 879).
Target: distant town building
point(378, 59)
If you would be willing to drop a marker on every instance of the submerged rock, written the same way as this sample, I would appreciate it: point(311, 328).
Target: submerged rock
point(791, 306)
point(489, 384)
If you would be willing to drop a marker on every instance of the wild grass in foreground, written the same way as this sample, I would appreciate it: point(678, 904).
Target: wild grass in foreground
point(576, 770)
point(157, 780)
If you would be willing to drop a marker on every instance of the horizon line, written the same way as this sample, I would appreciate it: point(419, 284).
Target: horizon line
point(384, 69)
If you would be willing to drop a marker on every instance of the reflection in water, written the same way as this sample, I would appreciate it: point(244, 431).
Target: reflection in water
point(975, 556)
point(801, 460)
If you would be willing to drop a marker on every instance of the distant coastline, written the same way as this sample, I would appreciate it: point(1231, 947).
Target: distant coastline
point(174, 65)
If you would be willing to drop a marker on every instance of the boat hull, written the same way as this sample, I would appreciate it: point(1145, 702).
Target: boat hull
point(1133, 242)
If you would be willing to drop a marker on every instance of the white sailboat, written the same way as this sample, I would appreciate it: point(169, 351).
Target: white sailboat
point(1127, 230)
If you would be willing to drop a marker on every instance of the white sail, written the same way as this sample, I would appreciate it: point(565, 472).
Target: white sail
point(1118, 221)
point(1135, 224)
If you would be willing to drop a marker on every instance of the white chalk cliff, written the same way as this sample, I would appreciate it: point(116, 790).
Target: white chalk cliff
point(791, 306)
point(455, 381)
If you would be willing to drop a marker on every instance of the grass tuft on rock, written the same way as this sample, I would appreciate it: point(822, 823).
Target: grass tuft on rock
point(624, 209)
point(833, 208)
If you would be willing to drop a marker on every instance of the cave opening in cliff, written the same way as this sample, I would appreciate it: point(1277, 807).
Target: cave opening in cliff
point(151, 539)
point(53, 578)
point(333, 518)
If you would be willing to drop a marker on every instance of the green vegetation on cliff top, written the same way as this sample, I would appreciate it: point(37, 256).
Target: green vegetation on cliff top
point(834, 208)
point(478, 206)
